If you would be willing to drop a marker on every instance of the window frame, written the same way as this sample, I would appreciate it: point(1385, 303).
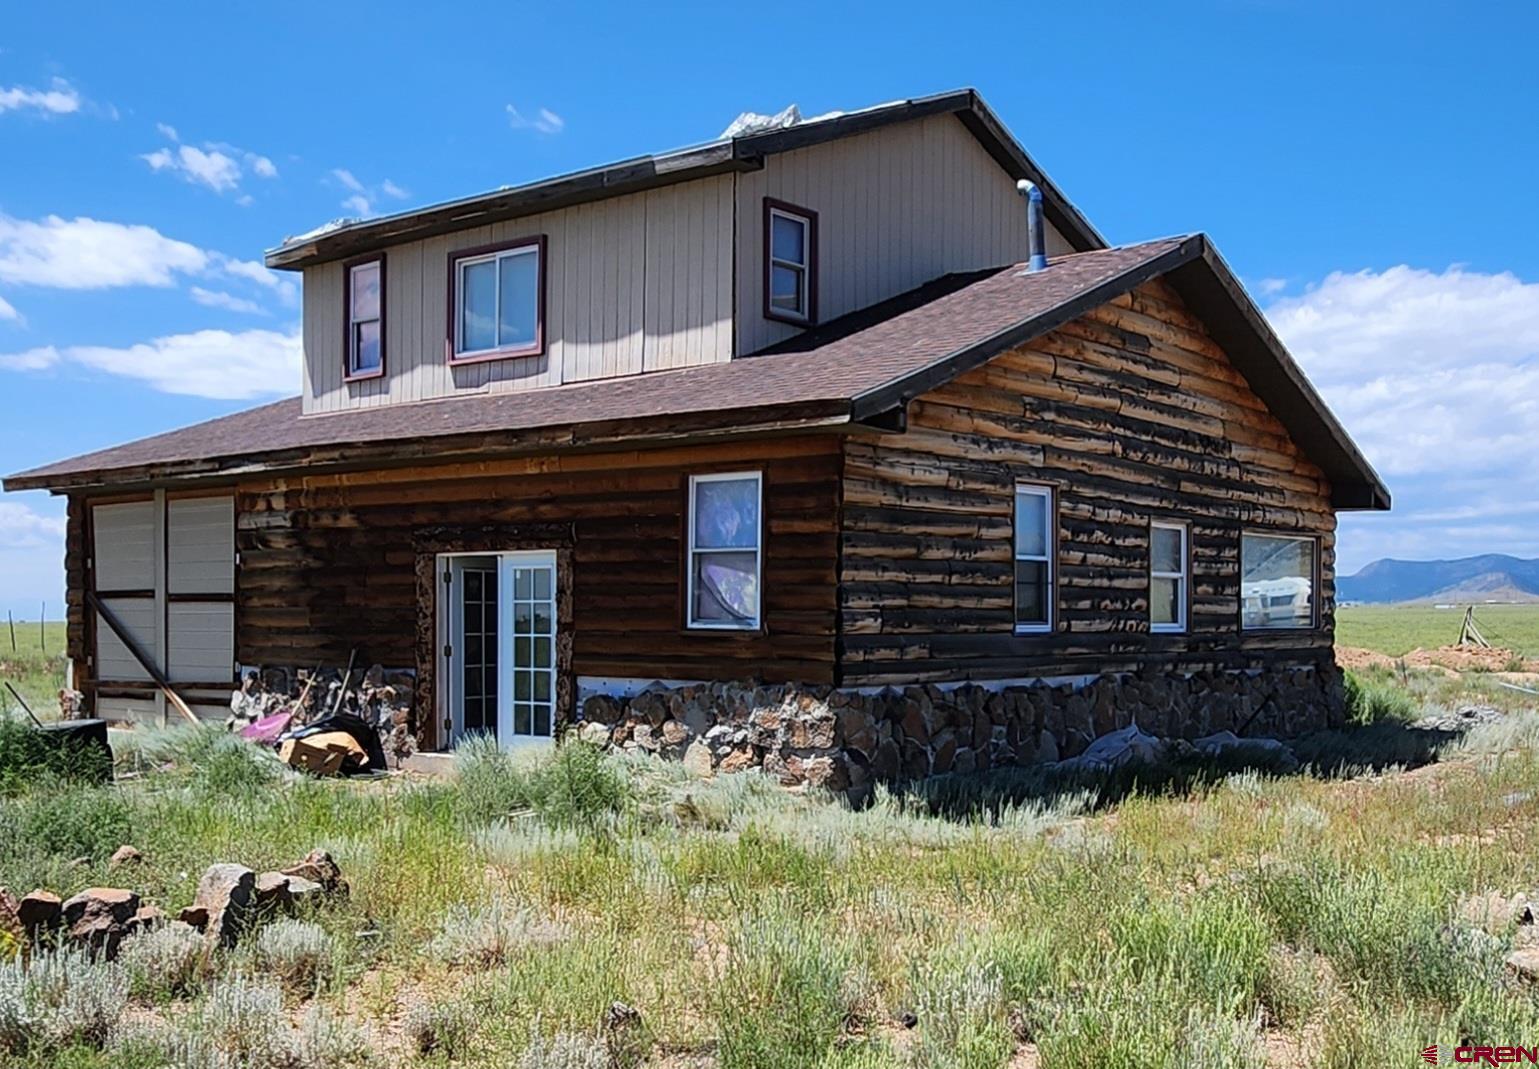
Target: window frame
point(1316, 618)
point(458, 259)
point(349, 372)
point(1048, 557)
point(1182, 578)
point(691, 551)
point(809, 220)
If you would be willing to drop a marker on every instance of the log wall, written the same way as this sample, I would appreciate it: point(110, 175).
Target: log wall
point(1132, 413)
point(327, 562)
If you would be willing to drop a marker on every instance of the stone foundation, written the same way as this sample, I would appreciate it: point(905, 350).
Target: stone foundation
point(840, 738)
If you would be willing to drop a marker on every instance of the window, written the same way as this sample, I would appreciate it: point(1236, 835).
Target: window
point(724, 534)
point(364, 299)
point(1277, 580)
point(498, 305)
point(790, 262)
point(1034, 523)
point(1167, 576)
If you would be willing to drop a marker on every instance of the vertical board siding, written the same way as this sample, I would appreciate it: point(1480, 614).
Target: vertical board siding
point(200, 545)
point(114, 661)
point(124, 549)
point(202, 641)
point(633, 283)
point(1131, 413)
point(896, 208)
point(328, 562)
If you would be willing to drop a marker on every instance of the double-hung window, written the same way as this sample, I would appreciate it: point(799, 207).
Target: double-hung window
point(790, 262)
point(1034, 541)
point(1277, 581)
point(364, 300)
point(498, 301)
point(1167, 576)
point(725, 554)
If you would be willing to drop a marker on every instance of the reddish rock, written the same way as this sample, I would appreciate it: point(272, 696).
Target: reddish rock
point(227, 894)
point(943, 752)
point(915, 728)
point(39, 912)
point(194, 917)
point(125, 855)
point(98, 917)
point(319, 867)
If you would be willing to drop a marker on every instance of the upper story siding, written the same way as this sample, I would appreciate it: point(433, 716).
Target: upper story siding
point(673, 277)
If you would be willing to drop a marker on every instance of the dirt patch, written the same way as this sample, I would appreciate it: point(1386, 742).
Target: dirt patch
point(1448, 659)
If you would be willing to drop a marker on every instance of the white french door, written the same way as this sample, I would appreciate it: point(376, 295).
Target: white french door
point(498, 666)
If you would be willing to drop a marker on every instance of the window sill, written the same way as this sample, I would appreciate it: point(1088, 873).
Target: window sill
point(1033, 629)
point(498, 354)
point(789, 319)
point(724, 629)
point(364, 376)
point(1167, 629)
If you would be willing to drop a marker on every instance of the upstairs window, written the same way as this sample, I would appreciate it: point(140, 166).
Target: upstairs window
point(725, 535)
point(1034, 538)
point(1167, 576)
point(364, 299)
point(498, 299)
point(790, 262)
point(1277, 581)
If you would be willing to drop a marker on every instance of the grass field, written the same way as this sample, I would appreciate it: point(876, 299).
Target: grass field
point(1398, 629)
point(494, 920)
point(34, 666)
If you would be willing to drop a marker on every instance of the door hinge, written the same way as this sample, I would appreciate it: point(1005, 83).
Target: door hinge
point(448, 578)
point(448, 651)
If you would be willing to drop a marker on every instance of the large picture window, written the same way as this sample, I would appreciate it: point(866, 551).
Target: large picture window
point(1277, 581)
point(1034, 539)
point(725, 533)
point(790, 262)
point(364, 300)
point(1167, 576)
point(498, 301)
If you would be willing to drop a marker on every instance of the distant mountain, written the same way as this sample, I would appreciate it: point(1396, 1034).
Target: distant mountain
point(1489, 577)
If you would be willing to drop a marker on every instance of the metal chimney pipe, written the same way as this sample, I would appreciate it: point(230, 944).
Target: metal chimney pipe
point(1036, 232)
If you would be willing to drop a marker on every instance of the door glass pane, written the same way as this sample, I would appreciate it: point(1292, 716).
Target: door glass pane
point(726, 513)
point(519, 280)
point(521, 652)
point(478, 306)
point(542, 686)
point(542, 719)
point(1164, 606)
point(726, 587)
point(523, 618)
point(523, 583)
point(1165, 550)
point(544, 622)
point(542, 651)
point(542, 583)
point(788, 238)
point(521, 686)
point(521, 718)
point(785, 288)
point(1031, 524)
point(1030, 592)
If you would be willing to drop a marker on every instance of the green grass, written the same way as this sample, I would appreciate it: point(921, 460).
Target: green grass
point(495, 920)
point(1398, 629)
point(35, 666)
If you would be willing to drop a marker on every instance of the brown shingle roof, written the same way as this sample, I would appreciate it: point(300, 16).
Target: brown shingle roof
point(851, 369)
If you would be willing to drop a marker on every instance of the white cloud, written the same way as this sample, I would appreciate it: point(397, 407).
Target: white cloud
point(282, 285)
point(390, 189)
point(22, 528)
point(358, 204)
point(60, 99)
point(8, 310)
point(543, 121)
point(217, 364)
point(1436, 376)
point(83, 253)
point(227, 301)
point(216, 165)
point(343, 175)
point(1270, 287)
point(363, 199)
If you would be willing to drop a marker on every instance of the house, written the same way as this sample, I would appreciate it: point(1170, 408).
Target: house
point(789, 419)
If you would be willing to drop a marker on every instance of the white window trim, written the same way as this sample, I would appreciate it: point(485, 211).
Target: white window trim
point(1049, 541)
point(1179, 627)
point(1314, 580)
point(758, 555)
point(354, 322)
point(803, 269)
point(526, 249)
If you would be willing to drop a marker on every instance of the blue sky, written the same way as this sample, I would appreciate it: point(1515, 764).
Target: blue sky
point(1369, 169)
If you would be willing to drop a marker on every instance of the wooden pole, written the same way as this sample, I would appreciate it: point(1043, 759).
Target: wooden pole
point(11, 620)
point(23, 703)
point(42, 627)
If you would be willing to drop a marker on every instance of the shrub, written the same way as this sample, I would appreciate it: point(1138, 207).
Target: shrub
point(579, 787)
point(565, 1050)
point(442, 1028)
point(1369, 701)
point(491, 784)
point(171, 960)
point(26, 755)
point(961, 1018)
point(490, 934)
point(63, 821)
point(294, 951)
point(212, 759)
point(59, 1000)
point(780, 998)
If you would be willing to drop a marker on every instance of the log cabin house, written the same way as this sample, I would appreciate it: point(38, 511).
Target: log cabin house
point(791, 414)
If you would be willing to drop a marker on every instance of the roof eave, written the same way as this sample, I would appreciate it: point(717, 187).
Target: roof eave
point(718, 157)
